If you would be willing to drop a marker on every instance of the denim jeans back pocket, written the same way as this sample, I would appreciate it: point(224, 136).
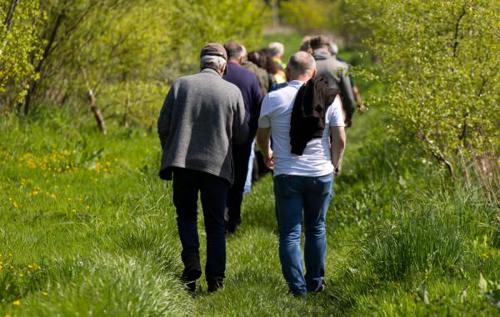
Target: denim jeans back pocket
point(285, 186)
point(322, 185)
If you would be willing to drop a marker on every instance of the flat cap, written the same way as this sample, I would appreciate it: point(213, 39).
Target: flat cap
point(214, 49)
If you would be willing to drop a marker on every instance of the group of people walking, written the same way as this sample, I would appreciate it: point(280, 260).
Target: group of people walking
point(297, 113)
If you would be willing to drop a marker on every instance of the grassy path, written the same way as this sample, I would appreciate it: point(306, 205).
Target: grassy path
point(87, 228)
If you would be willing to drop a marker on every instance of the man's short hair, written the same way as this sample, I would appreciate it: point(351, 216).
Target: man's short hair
point(320, 41)
point(276, 48)
point(300, 63)
point(214, 62)
point(234, 50)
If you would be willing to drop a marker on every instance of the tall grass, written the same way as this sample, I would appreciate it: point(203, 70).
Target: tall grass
point(86, 227)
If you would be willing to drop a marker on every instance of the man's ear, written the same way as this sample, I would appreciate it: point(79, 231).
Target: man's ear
point(287, 74)
point(315, 72)
point(224, 71)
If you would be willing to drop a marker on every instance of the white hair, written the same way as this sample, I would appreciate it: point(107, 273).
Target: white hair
point(244, 52)
point(212, 61)
point(334, 49)
point(277, 48)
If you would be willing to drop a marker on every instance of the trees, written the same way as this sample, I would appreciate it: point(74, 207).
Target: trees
point(308, 15)
point(114, 57)
point(19, 48)
point(440, 61)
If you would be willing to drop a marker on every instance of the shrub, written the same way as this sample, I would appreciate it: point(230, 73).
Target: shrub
point(439, 62)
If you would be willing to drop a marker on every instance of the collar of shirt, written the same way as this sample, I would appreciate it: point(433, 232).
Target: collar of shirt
point(295, 83)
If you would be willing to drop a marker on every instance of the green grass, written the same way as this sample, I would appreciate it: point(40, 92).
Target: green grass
point(86, 227)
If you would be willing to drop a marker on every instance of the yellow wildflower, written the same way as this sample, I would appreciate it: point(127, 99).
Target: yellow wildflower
point(16, 302)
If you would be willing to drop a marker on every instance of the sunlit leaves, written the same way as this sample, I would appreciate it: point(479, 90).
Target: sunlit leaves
point(440, 62)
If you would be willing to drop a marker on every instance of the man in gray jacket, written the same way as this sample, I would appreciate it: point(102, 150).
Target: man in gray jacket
point(335, 72)
point(201, 118)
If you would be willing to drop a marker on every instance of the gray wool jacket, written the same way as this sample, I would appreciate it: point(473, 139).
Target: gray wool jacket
point(336, 74)
point(200, 119)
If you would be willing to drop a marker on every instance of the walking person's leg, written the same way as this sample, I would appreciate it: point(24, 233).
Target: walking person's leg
point(289, 204)
point(241, 155)
point(213, 198)
point(185, 197)
point(316, 201)
point(248, 182)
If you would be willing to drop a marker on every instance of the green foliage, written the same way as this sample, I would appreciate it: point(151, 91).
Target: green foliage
point(439, 61)
point(122, 52)
point(308, 15)
point(195, 23)
point(19, 47)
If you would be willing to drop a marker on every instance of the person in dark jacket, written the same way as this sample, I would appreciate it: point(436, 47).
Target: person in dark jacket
point(201, 118)
point(249, 86)
point(261, 73)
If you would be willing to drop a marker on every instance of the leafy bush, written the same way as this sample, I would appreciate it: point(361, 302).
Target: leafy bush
point(19, 47)
point(115, 57)
point(308, 15)
point(439, 62)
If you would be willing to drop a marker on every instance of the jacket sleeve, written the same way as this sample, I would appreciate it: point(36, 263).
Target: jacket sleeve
point(240, 122)
point(257, 98)
point(165, 118)
point(348, 98)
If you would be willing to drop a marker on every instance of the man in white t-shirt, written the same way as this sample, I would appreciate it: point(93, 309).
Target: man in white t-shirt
point(302, 184)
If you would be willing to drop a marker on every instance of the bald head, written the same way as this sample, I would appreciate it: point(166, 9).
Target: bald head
point(301, 66)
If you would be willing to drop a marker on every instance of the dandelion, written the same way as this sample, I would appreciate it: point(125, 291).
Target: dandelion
point(34, 267)
point(16, 302)
point(15, 204)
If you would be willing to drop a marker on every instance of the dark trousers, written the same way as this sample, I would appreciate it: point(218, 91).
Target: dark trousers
point(241, 155)
point(213, 192)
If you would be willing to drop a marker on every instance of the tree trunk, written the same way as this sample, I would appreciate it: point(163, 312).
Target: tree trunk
point(10, 14)
point(99, 118)
point(275, 13)
point(46, 52)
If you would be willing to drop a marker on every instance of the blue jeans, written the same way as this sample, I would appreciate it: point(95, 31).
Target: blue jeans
point(310, 195)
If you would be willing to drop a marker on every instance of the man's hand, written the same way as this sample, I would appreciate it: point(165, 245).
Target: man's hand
point(336, 170)
point(348, 122)
point(338, 141)
point(269, 159)
point(263, 141)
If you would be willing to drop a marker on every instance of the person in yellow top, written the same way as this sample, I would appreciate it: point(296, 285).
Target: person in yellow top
point(277, 51)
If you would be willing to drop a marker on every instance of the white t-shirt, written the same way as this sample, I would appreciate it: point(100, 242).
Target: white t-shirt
point(276, 113)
